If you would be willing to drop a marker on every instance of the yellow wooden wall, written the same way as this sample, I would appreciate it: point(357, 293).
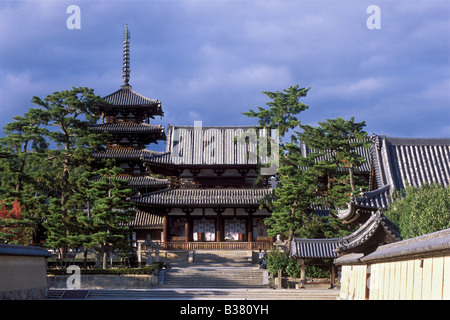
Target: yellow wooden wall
point(414, 279)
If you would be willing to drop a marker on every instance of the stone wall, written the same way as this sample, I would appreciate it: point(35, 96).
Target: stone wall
point(105, 281)
point(22, 272)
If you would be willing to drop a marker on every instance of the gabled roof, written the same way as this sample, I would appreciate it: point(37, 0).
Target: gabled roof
point(206, 146)
point(199, 198)
point(415, 160)
point(314, 248)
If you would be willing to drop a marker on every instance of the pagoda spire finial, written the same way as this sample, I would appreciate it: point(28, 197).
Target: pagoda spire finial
point(126, 57)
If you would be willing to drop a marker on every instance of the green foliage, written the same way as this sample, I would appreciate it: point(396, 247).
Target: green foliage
point(56, 186)
point(148, 270)
point(325, 177)
point(282, 111)
point(335, 143)
point(276, 260)
point(293, 268)
point(420, 210)
point(290, 267)
point(291, 200)
point(43, 179)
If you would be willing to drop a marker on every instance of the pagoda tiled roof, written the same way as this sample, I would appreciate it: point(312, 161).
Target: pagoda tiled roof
point(203, 197)
point(140, 181)
point(125, 154)
point(144, 181)
point(127, 97)
point(128, 128)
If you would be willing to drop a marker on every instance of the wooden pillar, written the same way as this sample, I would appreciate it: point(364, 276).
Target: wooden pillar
point(219, 227)
point(186, 229)
point(165, 228)
point(250, 227)
point(332, 276)
point(302, 273)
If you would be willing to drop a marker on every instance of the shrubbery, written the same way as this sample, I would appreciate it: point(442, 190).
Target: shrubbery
point(277, 260)
point(114, 271)
point(420, 210)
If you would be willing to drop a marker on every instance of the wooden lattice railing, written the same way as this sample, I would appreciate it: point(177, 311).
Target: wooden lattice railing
point(229, 245)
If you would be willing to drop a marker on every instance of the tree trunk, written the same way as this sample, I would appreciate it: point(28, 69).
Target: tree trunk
point(291, 231)
point(85, 257)
point(105, 251)
point(351, 177)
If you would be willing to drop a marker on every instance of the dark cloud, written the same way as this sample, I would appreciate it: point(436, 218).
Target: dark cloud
point(211, 60)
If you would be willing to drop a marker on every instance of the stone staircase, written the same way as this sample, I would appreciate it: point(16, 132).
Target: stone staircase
point(235, 258)
point(216, 275)
point(217, 269)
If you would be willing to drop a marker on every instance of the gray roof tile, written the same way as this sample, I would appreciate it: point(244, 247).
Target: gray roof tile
point(203, 197)
point(417, 161)
point(314, 248)
point(127, 97)
point(128, 128)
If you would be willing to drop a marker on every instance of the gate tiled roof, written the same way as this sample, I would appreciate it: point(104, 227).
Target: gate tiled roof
point(314, 248)
point(203, 197)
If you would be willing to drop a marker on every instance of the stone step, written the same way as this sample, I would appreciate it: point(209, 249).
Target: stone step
point(218, 257)
point(213, 294)
point(210, 277)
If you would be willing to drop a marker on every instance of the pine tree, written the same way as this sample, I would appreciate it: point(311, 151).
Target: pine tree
point(334, 144)
point(282, 112)
point(21, 154)
point(106, 211)
point(291, 198)
point(71, 113)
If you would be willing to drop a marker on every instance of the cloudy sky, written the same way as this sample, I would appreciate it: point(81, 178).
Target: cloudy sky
point(211, 60)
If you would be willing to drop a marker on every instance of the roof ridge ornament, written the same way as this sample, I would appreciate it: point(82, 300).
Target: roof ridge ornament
point(126, 58)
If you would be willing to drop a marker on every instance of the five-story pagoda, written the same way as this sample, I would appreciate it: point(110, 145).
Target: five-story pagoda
point(126, 117)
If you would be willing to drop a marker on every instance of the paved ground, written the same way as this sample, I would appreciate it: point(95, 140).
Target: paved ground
point(197, 294)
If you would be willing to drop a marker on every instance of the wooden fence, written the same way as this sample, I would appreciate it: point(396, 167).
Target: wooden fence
point(413, 269)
